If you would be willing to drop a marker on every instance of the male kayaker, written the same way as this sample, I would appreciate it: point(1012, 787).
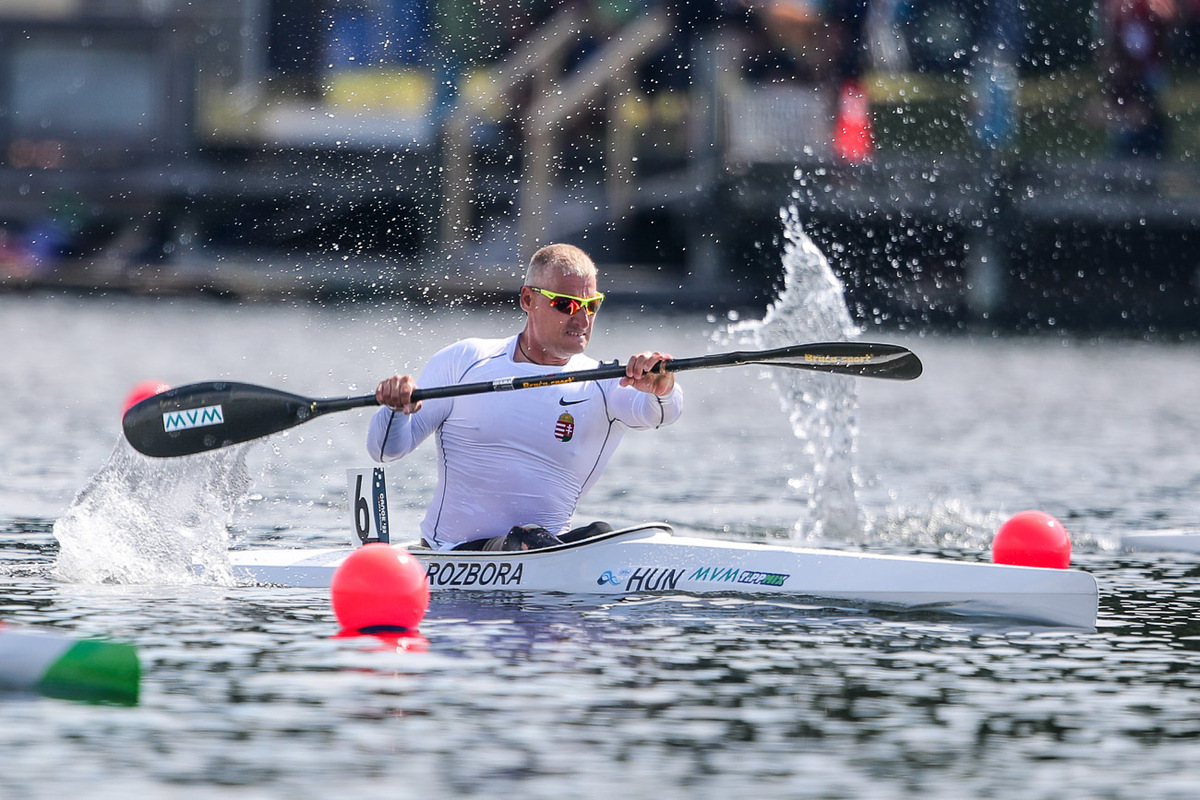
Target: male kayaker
point(512, 466)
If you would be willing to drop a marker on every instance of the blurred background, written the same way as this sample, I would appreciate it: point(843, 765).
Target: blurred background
point(962, 163)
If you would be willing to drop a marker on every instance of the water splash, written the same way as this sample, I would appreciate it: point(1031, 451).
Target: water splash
point(943, 524)
point(821, 408)
point(143, 521)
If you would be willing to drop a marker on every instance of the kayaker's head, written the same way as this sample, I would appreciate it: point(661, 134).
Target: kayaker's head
point(560, 299)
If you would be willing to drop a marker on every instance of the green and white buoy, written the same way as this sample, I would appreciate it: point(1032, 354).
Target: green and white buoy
point(56, 665)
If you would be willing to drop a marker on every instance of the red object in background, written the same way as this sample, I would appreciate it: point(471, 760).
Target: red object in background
point(142, 391)
point(852, 139)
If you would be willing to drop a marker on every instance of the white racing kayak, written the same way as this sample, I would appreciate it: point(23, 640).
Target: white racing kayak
point(652, 560)
point(1177, 540)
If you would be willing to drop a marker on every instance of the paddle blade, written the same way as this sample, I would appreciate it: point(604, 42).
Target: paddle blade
point(865, 359)
point(206, 416)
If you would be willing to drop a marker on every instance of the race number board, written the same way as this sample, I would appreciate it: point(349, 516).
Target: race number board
point(368, 504)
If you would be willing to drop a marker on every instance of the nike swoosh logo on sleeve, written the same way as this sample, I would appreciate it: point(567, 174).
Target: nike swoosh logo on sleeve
point(562, 401)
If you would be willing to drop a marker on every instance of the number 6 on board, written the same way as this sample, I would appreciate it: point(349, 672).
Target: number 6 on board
point(368, 504)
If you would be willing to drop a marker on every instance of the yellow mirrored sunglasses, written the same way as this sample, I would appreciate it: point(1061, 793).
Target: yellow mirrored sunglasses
point(569, 304)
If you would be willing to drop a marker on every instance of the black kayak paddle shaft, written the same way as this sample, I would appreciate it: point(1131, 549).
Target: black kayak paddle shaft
point(207, 416)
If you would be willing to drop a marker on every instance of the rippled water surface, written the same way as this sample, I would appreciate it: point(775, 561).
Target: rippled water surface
point(246, 694)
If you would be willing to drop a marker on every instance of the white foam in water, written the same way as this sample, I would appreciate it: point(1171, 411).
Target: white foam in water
point(150, 521)
point(821, 408)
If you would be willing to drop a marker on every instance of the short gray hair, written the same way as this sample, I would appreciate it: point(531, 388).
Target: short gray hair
point(567, 258)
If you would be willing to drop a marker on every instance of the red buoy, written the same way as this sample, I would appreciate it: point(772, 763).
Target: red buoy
point(143, 391)
point(1032, 539)
point(379, 589)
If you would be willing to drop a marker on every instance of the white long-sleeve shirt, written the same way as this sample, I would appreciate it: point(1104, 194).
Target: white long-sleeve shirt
point(519, 457)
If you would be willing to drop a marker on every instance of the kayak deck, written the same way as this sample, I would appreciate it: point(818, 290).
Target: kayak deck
point(650, 559)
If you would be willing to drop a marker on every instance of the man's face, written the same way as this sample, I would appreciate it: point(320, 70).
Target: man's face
point(553, 333)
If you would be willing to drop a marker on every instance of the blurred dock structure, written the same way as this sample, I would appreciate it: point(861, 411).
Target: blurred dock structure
point(259, 149)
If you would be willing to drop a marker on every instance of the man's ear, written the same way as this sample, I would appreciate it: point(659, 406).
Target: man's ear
point(526, 298)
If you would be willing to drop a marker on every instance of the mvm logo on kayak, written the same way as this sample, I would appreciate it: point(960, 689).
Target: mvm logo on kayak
point(193, 418)
point(734, 575)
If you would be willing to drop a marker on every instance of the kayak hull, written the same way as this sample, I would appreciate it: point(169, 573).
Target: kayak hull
point(650, 559)
point(1175, 540)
